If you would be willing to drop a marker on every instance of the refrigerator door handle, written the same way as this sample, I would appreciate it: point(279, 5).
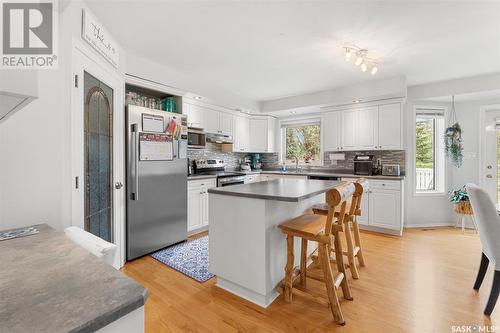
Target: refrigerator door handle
point(135, 147)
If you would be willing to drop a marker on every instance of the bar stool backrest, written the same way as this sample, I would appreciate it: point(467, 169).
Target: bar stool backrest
point(335, 198)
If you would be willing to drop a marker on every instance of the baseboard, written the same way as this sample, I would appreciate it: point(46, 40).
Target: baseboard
point(430, 225)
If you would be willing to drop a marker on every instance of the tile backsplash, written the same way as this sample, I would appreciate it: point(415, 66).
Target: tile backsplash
point(233, 160)
point(271, 160)
point(385, 156)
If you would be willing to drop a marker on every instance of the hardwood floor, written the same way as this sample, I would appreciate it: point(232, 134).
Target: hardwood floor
point(421, 282)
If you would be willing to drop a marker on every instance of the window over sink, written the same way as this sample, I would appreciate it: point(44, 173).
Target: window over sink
point(302, 142)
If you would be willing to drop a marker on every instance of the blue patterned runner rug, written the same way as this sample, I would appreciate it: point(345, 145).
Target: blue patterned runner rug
point(189, 258)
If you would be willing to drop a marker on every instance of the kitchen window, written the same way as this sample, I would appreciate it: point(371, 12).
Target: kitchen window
point(302, 142)
point(429, 150)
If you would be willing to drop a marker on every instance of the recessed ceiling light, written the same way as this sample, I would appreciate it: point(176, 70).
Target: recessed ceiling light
point(293, 112)
point(356, 101)
point(197, 97)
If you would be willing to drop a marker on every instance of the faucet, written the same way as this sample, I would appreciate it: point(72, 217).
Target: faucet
point(297, 164)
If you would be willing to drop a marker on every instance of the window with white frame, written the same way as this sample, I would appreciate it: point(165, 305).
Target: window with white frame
point(301, 141)
point(429, 150)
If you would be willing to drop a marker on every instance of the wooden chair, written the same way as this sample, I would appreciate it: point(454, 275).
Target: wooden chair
point(351, 227)
point(325, 232)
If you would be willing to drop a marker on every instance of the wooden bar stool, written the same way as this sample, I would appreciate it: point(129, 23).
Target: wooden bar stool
point(350, 227)
point(320, 229)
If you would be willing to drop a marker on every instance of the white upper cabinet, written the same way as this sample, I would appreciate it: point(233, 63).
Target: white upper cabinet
point(371, 128)
point(389, 126)
point(332, 131)
point(258, 135)
point(212, 121)
point(241, 137)
point(194, 115)
point(262, 134)
point(226, 121)
point(349, 126)
point(366, 128)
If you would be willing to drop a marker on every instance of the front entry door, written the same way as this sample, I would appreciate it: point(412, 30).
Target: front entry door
point(98, 157)
point(491, 163)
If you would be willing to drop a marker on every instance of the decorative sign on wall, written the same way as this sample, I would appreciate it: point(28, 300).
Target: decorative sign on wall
point(99, 38)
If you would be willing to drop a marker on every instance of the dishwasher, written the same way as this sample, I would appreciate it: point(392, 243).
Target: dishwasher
point(324, 177)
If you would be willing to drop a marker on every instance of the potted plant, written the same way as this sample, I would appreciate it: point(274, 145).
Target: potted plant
point(460, 198)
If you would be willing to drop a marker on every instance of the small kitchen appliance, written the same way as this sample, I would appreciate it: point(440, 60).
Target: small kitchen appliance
point(256, 164)
point(391, 170)
point(196, 138)
point(363, 165)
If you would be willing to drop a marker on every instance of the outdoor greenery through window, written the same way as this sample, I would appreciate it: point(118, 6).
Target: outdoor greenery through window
point(429, 152)
point(302, 143)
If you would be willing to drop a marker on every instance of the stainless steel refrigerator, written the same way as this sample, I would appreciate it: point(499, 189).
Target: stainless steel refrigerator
point(156, 180)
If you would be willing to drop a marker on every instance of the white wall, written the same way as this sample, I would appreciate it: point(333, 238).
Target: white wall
point(35, 143)
point(437, 210)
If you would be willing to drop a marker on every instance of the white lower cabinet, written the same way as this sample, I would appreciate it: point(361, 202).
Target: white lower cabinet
point(197, 214)
point(382, 206)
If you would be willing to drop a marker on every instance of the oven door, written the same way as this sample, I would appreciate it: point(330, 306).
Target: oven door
point(196, 139)
point(222, 182)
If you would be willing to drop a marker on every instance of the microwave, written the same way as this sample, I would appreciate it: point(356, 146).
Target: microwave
point(196, 138)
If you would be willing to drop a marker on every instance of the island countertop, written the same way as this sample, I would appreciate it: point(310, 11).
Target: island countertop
point(50, 284)
point(290, 190)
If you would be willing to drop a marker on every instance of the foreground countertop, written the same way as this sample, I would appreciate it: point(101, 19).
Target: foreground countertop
point(292, 190)
point(50, 284)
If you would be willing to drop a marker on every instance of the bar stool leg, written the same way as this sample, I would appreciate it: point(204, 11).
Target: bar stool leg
point(333, 297)
point(303, 262)
point(357, 241)
point(289, 269)
point(350, 248)
point(339, 258)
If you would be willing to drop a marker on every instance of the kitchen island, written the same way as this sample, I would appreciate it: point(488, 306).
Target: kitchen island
point(50, 284)
point(247, 250)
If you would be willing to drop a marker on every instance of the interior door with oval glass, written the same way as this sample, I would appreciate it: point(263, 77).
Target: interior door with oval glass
point(98, 157)
point(491, 161)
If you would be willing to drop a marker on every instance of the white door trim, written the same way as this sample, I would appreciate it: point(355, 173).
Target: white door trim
point(85, 60)
point(482, 139)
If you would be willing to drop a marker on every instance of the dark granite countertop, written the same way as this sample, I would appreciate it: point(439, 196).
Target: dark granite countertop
point(292, 190)
point(324, 173)
point(50, 284)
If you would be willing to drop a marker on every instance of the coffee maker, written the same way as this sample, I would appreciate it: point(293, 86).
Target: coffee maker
point(256, 164)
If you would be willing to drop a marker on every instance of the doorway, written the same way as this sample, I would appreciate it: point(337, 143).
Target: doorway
point(98, 157)
point(490, 164)
point(97, 148)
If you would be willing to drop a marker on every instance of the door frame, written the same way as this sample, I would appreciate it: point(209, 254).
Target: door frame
point(482, 139)
point(85, 60)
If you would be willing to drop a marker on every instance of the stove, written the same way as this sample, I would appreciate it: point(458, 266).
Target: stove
point(217, 168)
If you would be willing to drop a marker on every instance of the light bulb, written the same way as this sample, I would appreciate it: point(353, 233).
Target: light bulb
point(359, 60)
point(348, 54)
point(364, 67)
point(374, 70)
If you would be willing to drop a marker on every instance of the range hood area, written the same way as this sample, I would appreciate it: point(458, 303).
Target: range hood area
point(219, 138)
point(18, 88)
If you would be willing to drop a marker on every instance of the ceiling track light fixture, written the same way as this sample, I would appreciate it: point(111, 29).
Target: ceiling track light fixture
point(362, 60)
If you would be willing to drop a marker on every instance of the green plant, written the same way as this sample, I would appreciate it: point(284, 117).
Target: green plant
point(453, 144)
point(459, 195)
